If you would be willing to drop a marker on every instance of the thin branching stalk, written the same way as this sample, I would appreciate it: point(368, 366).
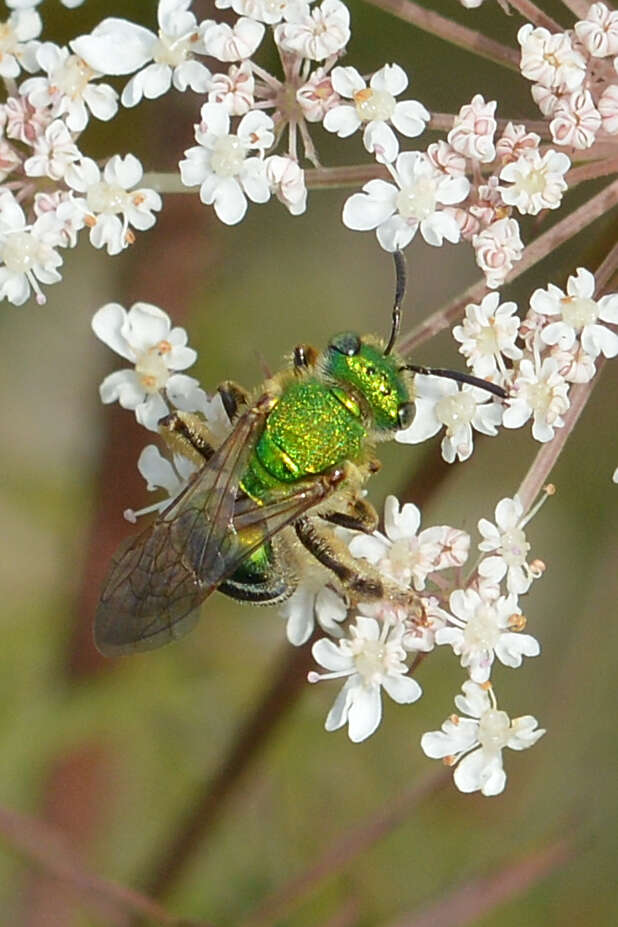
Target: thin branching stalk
point(592, 171)
point(452, 32)
point(471, 902)
point(545, 244)
point(344, 850)
point(533, 14)
point(444, 123)
point(578, 8)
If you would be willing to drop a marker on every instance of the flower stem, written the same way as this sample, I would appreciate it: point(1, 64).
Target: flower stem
point(444, 123)
point(164, 182)
point(324, 178)
point(450, 31)
point(578, 8)
point(572, 224)
point(534, 15)
point(592, 171)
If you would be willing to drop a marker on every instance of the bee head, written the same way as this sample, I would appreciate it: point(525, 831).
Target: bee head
point(359, 366)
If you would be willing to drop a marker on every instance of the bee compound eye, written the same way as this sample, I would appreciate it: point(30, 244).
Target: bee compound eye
point(405, 414)
point(347, 343)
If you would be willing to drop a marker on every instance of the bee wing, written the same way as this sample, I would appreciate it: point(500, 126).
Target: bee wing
point(158, 579)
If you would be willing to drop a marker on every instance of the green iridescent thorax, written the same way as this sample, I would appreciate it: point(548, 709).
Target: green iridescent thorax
point(376, 377)
point(311, 428)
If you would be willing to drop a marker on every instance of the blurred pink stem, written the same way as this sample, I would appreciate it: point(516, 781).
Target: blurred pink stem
point(450, 31)
point(535, 15)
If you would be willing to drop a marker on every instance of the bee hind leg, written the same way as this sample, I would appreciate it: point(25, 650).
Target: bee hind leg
point(358, 577)
point(361, 516)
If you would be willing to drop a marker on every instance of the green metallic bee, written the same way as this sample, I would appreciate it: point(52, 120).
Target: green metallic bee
point(292, 467)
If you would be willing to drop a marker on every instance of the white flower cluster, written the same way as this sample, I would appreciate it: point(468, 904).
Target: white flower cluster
point(480, 621)
point(50, 190)
point(575, 76)
point(535, 360)
point(463, 188)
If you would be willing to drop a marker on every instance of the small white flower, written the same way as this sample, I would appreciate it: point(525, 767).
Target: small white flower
point(375, 106)
point(27, 253)
point(439, 403)
point(315, 33)
point(64, 215)
point(160, 473)
point(53, 151)
point(23, 120)
point(540, 392)
point(144, 336)
point(497, 248)
point(473, 131)
point(17, 50)
point(234, 90)
point(598, 32)
point(550, 59)
point(574, 365)
point(233, 43)
point(117, 46)
point(480, 740)
point(402, 555)
point(396, 212)
point(508, 539)
point(608, 109)
point(536, 182)
point(370, 659)
point(481, 628)
point(516, 141)
point(314, 600)
point(219, 163)
point(287, 181)
point(579, 316)
point(68, 88)
point(488, 334)
point(112, 204)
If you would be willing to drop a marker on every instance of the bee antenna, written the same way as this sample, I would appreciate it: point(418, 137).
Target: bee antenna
point(400, 289)
point(459, 377)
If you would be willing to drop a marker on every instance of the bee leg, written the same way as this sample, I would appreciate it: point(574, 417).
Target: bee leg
point(304, 356)
point(361, 517)
point(232, 396)
point(186, 434)
point(359, 577)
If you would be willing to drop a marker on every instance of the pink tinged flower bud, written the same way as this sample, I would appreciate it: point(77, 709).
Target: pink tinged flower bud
point(576, 121)
point(497, 248)
point(598, 32)
point(467, 223)
point(608, 108)
point(514, 141)
point(445, 158)
point(473, 132)
point(317, 96)
point(544, 99)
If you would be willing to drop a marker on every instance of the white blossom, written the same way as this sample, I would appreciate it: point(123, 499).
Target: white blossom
point(440, 403)
point(160, 473)
point(219, 163)
point(516, 141)
point(397, 212)
point(22, 120)
point(578, 315)
point(487, 334)
point(266, 11)
point(375, 106)
point(111, 203)
point(482, 628)
point(539, 392)
point(476, 743)
point(576, 120)
point(314, 600)
point(402, 554)
point(608, 109)
point(17, 50)
point(317, 96)
point(53, 151)
point(144, 336)
point(68, 88)
point(371, 658)
point(316, 33)
point(537, 182)
point(117, 46)
point(28, 255)
point(507, 538)
point(287, 181)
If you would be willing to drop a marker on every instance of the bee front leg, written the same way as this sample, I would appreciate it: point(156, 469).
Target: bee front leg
point(359, 577)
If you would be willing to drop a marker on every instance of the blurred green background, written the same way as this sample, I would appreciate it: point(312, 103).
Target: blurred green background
point(114, 755)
